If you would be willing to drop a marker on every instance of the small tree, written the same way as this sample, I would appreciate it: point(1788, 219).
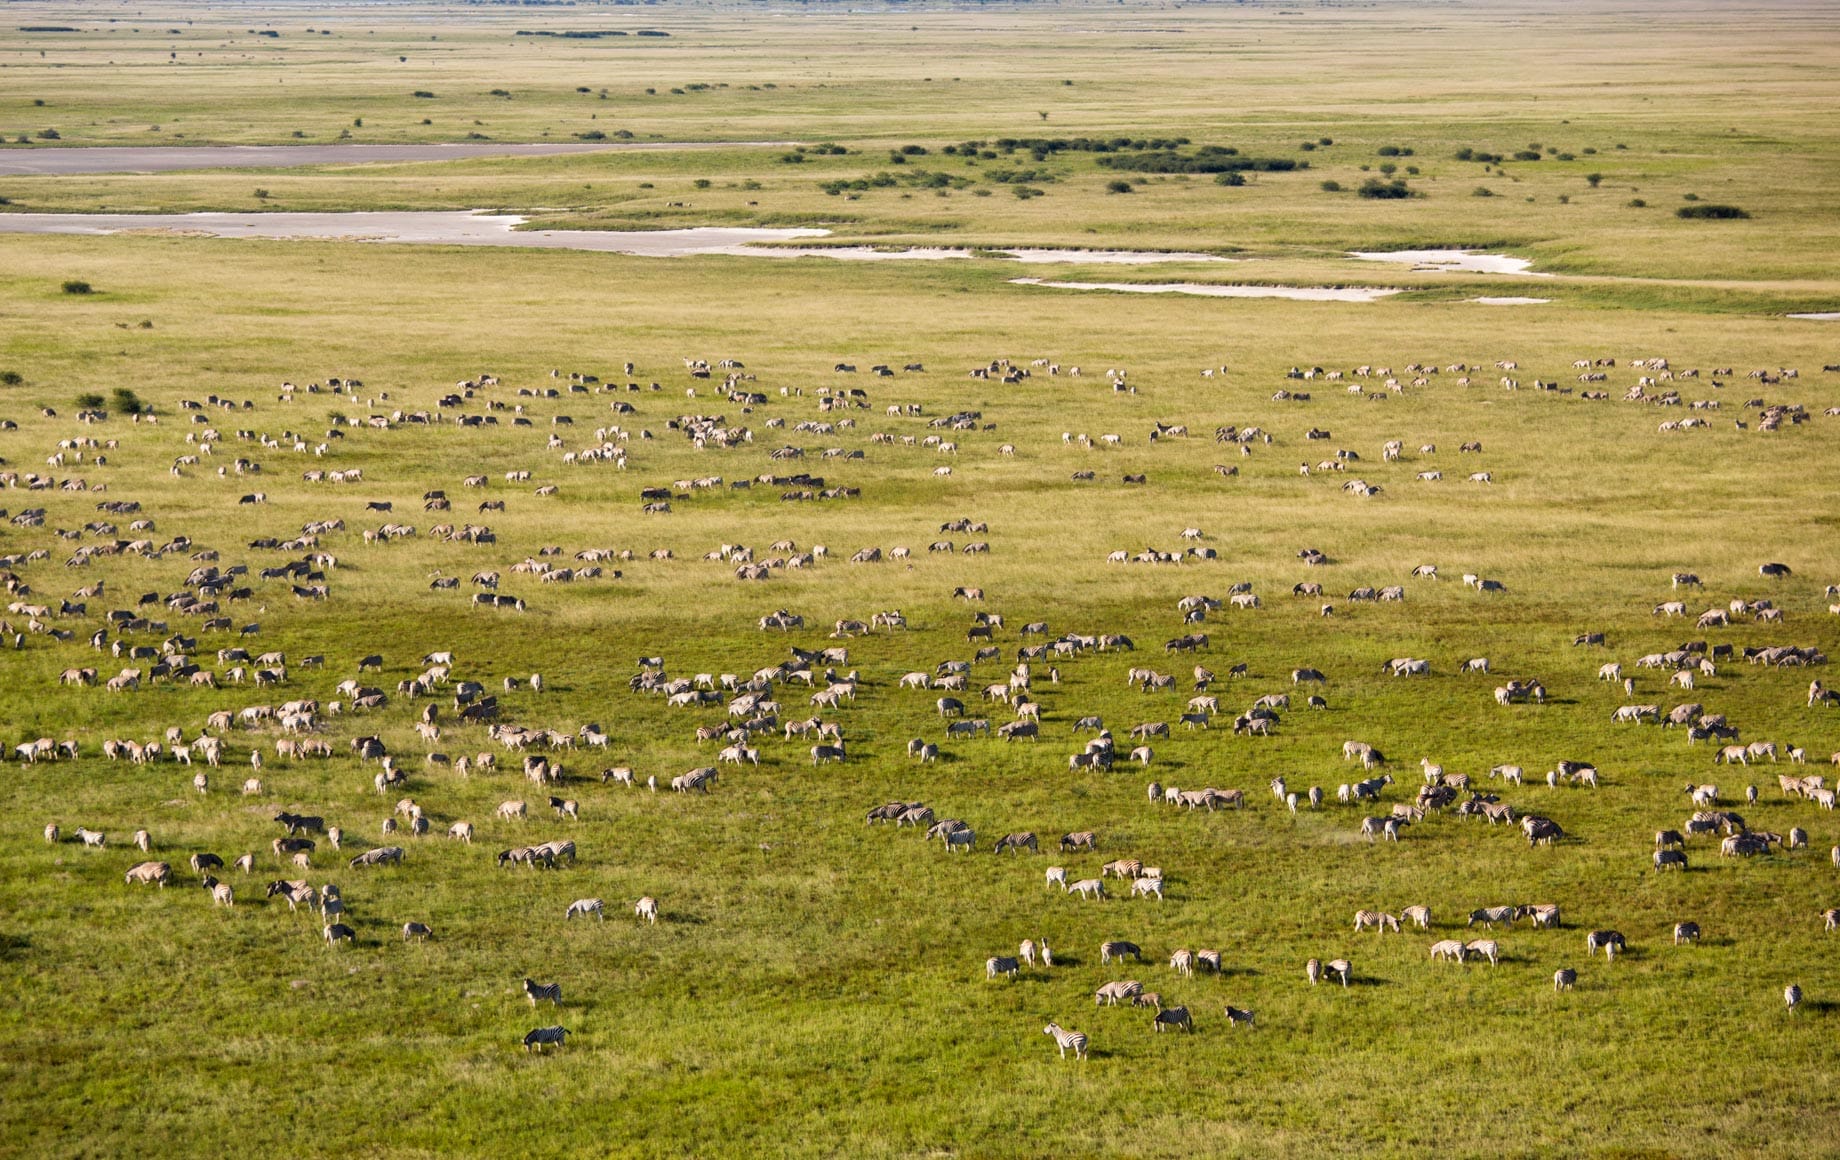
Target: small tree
point(127, 402)
point(89, 401)
point(76, 286)
point(1593, 179)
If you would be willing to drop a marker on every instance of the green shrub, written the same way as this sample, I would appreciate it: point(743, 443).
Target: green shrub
point(11, 378)
point(1718, 212)
point(1225, 179)
point(1387, 151)
point(1637, 203)
point(1482, 191)
point(1332, 187)
point(1593, 179)
point(127, 402)
point(1375, 189)
point(75, 286)
point(1118, 187)
point(89, 402)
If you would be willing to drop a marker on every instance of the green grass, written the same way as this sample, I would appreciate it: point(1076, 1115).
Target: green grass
point(815, 985)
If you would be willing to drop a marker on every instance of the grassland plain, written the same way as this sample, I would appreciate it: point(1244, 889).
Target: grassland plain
point(814, 984)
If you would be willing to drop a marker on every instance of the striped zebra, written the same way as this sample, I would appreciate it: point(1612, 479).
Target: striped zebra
point(414, 930)
point(537, 992)
point(1832, 918)
point(1147, 886)
point(1488, 916)
point(1610, 941)
point(1001, 965)
point(1376, 919)
point(585, 907)
point(1057, 874)
point(1017, 842)
point(1792, 996)
point(1420, 916)
point(1208, 961)
point(1173, 1017)
point(1685, 932)
point(1238, 1018)
point(647, 909)
point(1486, 948)
point(1183, 962)
point(1450, 949)
point(1118, 949)
point(542, 1037)
point(1564, 978)
point(1545, 915)
point(1666, 858)
point(336, 931)
point(1341, 968)
point(1026, 951)
point(1066, 1040)
point(1109, 994)
point(1088, 888)
point(1312, 971)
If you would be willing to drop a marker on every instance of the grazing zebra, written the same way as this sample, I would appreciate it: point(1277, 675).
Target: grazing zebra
point(1017, 842)
point(1057, 874)
point(1666, 838)
point(1450, 949)
point(585, 907)
point(51, 832)
point(544, 1036)
point(1001, 965)
point(1832, 918)
point(1420, 916)
point(1313, 970)
point(1026, 951)
point(1065, 1040)
point(647, 908)
point(1208, 961)
point(1376, 919)
point(1563, 978)
point(1792, 996)
point(1088, 888)
point(1148, 886)
point(1488, 948)
point(1609, 940)
point(1183, 962)
point(415, 930)
point(536, 992)
point(1173, 1017)
point(1341, 968)
point(1666, 858)
point(221, 894)
point(1118, 949)
point(1083, 839)
point(1488, 916)
point(1110, 993)
point(1686, 932)
point(1237, 1017)
point(338, 930)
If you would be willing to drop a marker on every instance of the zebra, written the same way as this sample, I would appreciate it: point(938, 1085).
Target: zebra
point(1173, 1017)
point(338, 930)
point(1026, 951)
point(1065, 1039)
point(1666, 858)
point(1792, 996)
point(1148, 886)
point(1110, 993)
point(1686, 932)
point(1312, 971)
point(1376, 919)
point(1082, 839)
point(585, 907)
point(535, 992)
point(1450, 949)
point(1057, 874)
point(1609, 940)
point(1564, 978)
point(647, 908)
point(1488, 916)
point(1088, 888)
point(543, 1036)
point(1420, 916)
point(419, 930)
point(1118, 949)
point(1001, 965)
point(1183, 962)
point(1016, 842)
point(1488, 948)
point(1832, 918)
point(1208, 961)
point(1341, 968)
point(1238, 1018)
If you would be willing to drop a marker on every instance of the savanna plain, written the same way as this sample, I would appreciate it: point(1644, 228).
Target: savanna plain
point(1631, 398)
